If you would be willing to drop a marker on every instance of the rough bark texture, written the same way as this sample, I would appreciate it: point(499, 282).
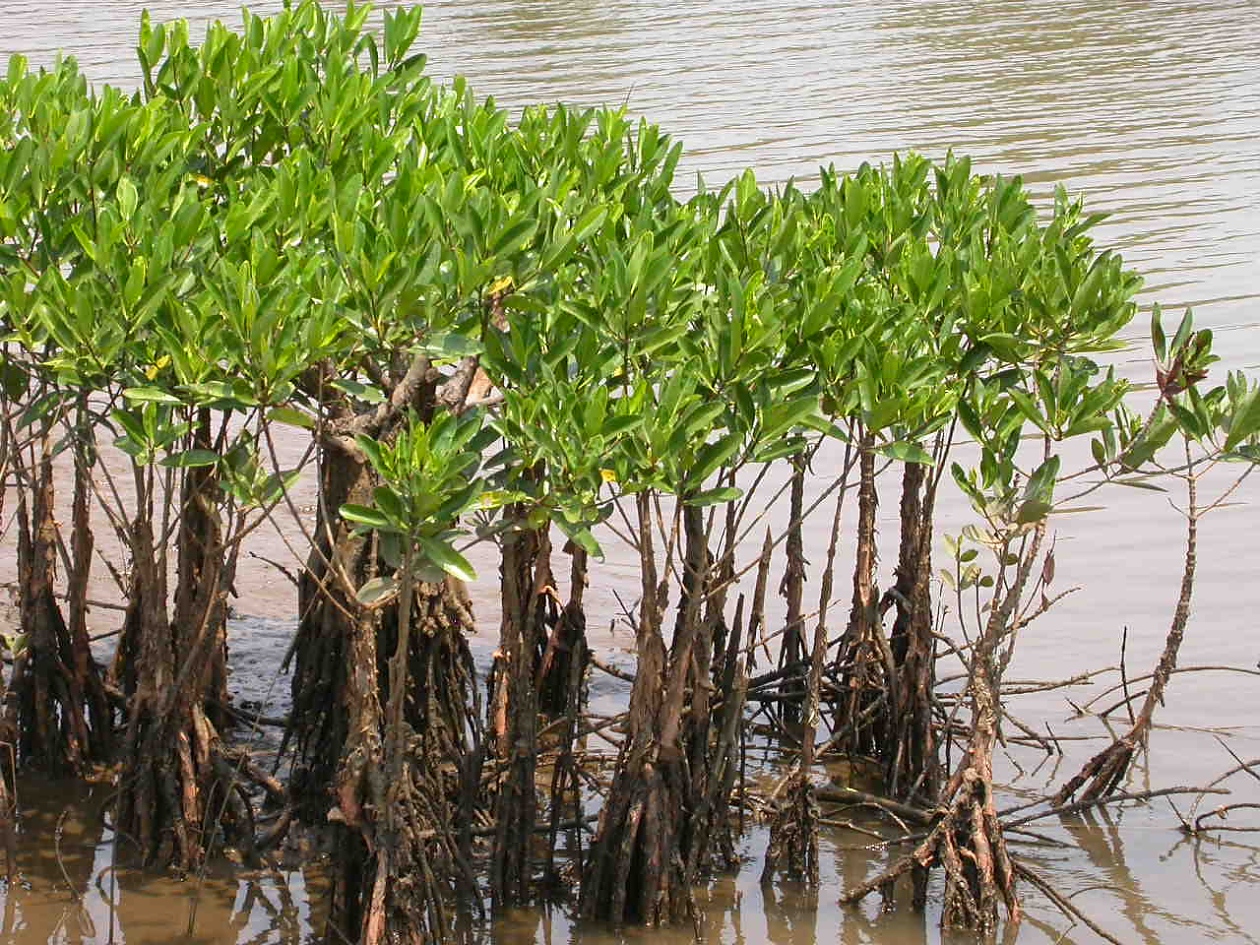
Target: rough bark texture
point(633, 872)
point(325, 659)
point(564, 658)
point(665, 819)
point(793, 848)
point(566, 783)
point(396, 795)
point(792, 655)
point(966, 837)
point(910, 752)
point(57, 705)
point(525, 574)
point(177, 785)
point(198, 543)
point(868, 697)
point(717, 687)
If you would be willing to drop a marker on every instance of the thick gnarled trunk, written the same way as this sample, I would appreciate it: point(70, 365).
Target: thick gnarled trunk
point(57, 704)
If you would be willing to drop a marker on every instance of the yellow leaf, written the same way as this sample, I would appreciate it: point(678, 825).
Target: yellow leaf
point(608, 475)
point(158, 365)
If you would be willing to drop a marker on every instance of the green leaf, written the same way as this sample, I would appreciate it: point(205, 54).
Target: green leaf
point(907, 453)
point(1034, 510)
point(132, 427)
point(364, 515)
point(292, 417)
point(1135, 483)
point(712, 456)
point(447, 558)
point(277, 484)
point(392, 505)
point(714, 497)
point(452, 345)
point(1245, 422)
point(1157, 335)
point(128, 198)
point(371, 395)
point(1041, 483)
point(581, 536)
point(191, 459)
point(378, 591)
point(589, 222)
point(151, 395)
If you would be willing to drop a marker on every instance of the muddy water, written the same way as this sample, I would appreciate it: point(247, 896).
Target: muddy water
point(1149, 108)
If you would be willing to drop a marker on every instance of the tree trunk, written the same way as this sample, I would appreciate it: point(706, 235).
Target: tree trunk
point(396, 794)
point(524, 574)
point(910, 752)
point(634, 873)
point(566, 783)
point(171, 752)
point(57, 706)
point(868, 698)
point(565, 645)
point(395, 783)
point(199, 540)
point(792, 656)
point(340, 562)
point(966, 837)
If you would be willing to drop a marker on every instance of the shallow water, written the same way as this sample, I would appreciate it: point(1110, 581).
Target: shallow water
point(1151, 109)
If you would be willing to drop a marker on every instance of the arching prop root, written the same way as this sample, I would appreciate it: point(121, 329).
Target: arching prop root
point(176, 807)
point(403, 794)
point(967, 842)
point(58, 709)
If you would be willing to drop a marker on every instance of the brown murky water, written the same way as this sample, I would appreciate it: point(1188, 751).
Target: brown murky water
point(1150, 108)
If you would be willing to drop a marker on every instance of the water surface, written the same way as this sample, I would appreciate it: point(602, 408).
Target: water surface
point(1149, 109)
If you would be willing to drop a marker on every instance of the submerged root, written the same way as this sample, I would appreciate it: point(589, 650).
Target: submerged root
point(635, 873)
point(793, 849)
point(967, 842)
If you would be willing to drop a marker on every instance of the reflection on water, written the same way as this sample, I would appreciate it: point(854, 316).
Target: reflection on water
point(1151, 108)
point(67, 882)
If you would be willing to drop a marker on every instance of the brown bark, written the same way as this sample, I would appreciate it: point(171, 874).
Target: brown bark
point(792, 655)
point(633, 873)
point(524, 575)
point(667, 808)
point(198, 542)
point(793, 848)
point(565, 645)
point(1102, 774)
point(966, 838)
point(324, 666)
point(86, 671)
point(910, 750)
point(178, 784)
point(864, 662)
point(394, 800)
point(566, 789)
point(56, 705)
point(710, 735)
